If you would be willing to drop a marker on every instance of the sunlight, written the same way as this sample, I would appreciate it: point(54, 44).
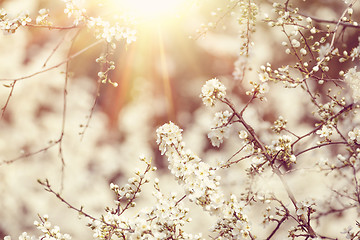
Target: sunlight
point(154, 10)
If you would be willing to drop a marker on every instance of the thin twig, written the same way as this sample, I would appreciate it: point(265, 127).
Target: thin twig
point(23, 156)
point(331, 46)
point(318, 146)
point(320, 20)
point(3, 109)
point(54, 50)
point(342, 111)
point(80, 210)
point(279, 222)
point(54, 66)
point(53, 27)
point(228, 164)
point(92, 110)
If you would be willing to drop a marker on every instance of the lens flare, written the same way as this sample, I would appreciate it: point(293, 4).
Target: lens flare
point(152, 10)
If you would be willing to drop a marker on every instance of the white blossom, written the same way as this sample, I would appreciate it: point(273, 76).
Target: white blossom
point(243, 134)
point(168, 136)
point(221, 129)
point(295, 43)
point(211, 91)
point(354, 135)
point(325, 131)
point(302, 207)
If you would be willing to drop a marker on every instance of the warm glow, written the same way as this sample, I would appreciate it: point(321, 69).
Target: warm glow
point(153, 10)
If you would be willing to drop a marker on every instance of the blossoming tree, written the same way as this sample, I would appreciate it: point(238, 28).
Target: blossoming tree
point(282, 157)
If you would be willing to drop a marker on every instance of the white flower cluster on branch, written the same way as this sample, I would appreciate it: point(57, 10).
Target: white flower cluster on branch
point(10, 25)
point(221, 129)
point(202, 185)
point(213, 90)
point(104, 30)
point(49, 232)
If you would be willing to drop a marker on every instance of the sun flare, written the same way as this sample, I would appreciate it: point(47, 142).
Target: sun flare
point(153, 10)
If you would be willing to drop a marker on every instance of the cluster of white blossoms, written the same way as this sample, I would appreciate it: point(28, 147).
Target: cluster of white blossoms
point(42, 19)
point(354, 135)
point(73, 9)
point(184, 164)
point(110, 224)
point(284, 16)
point(326, 131)
point(49, 232)
point(281, 147)
point(302, 207)
point(355, 158)
point(10, 25)
point(201, 184)
point(355, 52)
point(198, 178)
point(110, 33)
point(352, 78)
point(43, 14)
point(259, 89)
point(234, 223)
point(279, 124)
point(212, 90)
point(23, 236)
point(164, 220)
point(102, 29)
point(327, 110)
point(169, 137)
point(221, 129)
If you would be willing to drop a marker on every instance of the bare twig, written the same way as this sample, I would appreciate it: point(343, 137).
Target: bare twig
point(80, 210)
point(54, 50)
point(53, 27)
point(229, 163)
point(23, 156)
point(54, 66)
point(3, 109)
point(279, 223)
point(318, 146)
point(60, 141)
point(96, 99)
